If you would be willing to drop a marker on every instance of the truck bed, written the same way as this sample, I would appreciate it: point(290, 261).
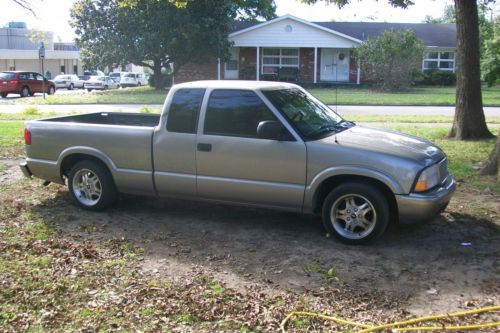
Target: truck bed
point(111, 118)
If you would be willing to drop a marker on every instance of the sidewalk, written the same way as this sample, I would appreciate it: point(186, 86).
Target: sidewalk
point(344, 110)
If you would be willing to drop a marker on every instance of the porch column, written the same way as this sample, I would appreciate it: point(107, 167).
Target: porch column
point(315, 65)
point(218, 68)
point(358, 73)
point(257, 70)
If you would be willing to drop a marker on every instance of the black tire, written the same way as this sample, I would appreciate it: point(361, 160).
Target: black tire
point(105, 87)
point(70, 86)
point(4, 95)
point(52, 90)
point(89, 90)
point(86, 197)
point(139, 84)
point(347, 221)
point(25, 91)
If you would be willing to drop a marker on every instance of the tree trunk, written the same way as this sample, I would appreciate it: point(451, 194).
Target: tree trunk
point(491, 167)
point(469, 121)
point(157, 74)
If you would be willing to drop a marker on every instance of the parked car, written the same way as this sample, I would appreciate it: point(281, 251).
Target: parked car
point(259, 144)
point(100, 83)
point(24, 83)
point(117, 76)
point(84, 77)
point(133, 80)
point(68, 81)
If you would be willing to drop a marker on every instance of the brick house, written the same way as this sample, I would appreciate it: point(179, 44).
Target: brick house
point(313, 52)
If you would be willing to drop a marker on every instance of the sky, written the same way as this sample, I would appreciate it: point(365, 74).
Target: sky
point(53, 15)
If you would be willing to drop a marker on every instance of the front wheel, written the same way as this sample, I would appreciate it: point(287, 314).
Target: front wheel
point(4, 95)
point(89, 90)
point(25, 92)
point(70, 86)
point(91, 186)
point(52, 90)
point(356, 213)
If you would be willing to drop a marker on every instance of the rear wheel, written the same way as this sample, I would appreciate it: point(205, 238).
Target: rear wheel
point(138, 84)
point(4, 95)
point(52, 90)
point(25, 92)
point(71, 86)
point(356, 213)
point(91, 186)
point(105, 87)
point(89, 90)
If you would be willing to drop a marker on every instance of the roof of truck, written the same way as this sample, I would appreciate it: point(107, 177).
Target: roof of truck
point(235, 84)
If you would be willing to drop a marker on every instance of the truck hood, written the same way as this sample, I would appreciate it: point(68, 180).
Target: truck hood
point(388, 142)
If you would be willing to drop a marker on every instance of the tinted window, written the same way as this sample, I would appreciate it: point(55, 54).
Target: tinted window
point(235, 113)
point(38, 77)
point(183, 112)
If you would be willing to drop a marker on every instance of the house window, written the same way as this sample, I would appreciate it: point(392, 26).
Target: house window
point(442, 60)
point(273, 59)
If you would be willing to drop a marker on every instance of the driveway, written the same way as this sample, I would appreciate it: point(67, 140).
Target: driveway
point(344, 110)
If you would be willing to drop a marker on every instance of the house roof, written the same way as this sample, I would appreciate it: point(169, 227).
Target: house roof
point(432, 35)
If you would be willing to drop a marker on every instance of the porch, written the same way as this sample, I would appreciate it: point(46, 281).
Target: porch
point(298, 64)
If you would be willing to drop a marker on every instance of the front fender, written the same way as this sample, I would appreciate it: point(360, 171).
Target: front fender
point(312, 188)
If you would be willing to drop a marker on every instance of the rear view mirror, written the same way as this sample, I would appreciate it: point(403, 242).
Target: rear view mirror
point(273, 130)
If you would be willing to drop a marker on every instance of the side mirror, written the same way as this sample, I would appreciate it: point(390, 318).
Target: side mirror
point(273, 130)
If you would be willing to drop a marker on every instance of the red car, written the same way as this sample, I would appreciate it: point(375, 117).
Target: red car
point(24, 83)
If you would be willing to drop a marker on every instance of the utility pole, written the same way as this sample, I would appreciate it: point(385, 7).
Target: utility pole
point(41, 56)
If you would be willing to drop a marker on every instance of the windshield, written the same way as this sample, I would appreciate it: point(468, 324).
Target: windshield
point(114, 74)
point(61, 77)
point(7, 75)
point(130, 75)
point(311, 118)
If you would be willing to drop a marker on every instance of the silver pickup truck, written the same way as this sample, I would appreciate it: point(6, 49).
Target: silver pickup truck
point(260, 144)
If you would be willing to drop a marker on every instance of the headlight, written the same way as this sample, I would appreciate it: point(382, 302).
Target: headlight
point(427, 179)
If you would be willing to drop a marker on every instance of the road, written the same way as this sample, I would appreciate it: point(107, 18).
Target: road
point(344, 110)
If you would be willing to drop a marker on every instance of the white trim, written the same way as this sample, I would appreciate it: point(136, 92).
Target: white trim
point(280, 57)
point(315, 76)
point(288, 16)
point(257, 65)
point(438, 60)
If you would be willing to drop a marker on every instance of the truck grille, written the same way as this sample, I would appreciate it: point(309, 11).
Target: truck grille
point(443, 169)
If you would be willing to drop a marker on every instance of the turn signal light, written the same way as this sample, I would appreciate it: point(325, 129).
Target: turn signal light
point(420, 186)
point(27, 136)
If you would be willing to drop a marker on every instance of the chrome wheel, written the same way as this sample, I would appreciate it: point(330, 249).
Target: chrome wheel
point(25, 92)
point(51, 91)
point(353, 216)
point(87, 187)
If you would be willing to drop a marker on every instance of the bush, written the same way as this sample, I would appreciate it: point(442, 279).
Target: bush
point(390, 59)
point(165, 79)
point(436, 77)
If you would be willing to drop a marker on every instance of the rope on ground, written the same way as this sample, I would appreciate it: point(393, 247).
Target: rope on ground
point(401, 326)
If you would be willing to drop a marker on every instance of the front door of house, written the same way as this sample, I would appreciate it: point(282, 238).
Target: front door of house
point(231, 70)
point(334, 65)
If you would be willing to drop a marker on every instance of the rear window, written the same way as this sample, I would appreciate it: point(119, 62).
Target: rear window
point(7, 75)
point(183, 112)
point(114, 74)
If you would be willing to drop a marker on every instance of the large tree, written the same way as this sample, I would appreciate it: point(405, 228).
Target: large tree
point(156, 33)
point(469, 121)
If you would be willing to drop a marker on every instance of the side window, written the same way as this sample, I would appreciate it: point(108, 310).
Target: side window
point(24, 76)
point(183, 113)
point(235, 113)
point(39, 77)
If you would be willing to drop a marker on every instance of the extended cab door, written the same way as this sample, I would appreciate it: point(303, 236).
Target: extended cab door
point(234, 165)
point(174, 144)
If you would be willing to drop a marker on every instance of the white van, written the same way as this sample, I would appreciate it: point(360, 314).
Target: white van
point(133, 80)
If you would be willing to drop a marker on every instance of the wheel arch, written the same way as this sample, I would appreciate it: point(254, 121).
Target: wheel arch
point(71, 156)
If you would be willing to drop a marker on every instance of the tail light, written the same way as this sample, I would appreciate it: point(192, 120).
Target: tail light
point(13, 81)
point(27, 136)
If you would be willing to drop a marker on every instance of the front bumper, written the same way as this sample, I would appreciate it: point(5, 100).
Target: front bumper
point(24, 168)
point(419, 207)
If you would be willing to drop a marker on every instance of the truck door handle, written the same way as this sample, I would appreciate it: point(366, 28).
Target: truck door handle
point(204, 147)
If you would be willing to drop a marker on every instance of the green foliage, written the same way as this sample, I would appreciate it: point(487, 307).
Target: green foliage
point(165, 80)
point(155, 33)
point(490, 61)
point(448, 16)
point(342, 3)
point(436, 77)
point(31, 111)
point(390, 59)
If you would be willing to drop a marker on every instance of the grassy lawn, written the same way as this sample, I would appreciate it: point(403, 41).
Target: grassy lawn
point(341, 95)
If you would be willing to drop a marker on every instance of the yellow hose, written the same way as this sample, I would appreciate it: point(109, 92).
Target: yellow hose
point(370, 328)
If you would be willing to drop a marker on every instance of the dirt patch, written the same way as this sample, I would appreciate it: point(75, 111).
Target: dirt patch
point(9, 171)
point(448, 263)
